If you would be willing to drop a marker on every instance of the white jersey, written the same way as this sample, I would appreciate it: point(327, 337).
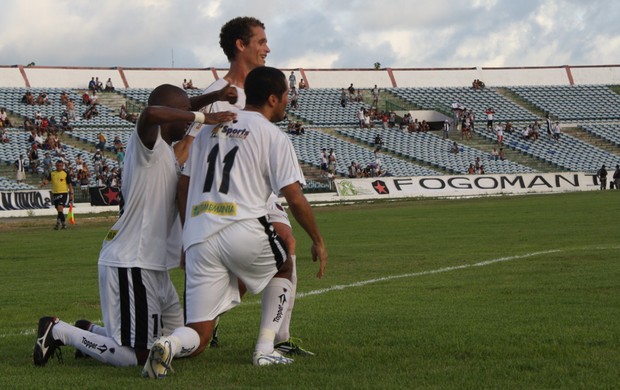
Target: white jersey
point(148, 233)
point(234, 167)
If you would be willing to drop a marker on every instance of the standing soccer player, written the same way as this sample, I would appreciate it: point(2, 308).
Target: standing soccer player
point(244, 42)
point(62, 191)
point(138, 301)
point(232, 171)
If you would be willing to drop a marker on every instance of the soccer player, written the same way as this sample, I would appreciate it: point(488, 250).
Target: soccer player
point(138, 301)
point(232, 170)
point(62, 191)
point(244, 42)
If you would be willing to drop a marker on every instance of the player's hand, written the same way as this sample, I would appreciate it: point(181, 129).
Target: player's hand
point(228, 94)
point(319, 252)
point(219, 117)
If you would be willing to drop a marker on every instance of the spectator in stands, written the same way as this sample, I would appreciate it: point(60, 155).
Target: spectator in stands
point(64, 98)
point(367, 122)
point(477, 84)
point(71, 109)
point(602, 177)
point(343, 98)
point(391, 119)
point(299, 128)
point(91, 112)
point(495, 154)
point(471, 170)
point(86, 99)
point(98, 85)
point(20, 168)
point(617, 177)
point(79, 162)
point(116, 143)
point(502, 155)
point(92, 85)
point(33, 156)
point(508, 128)
point(525, 133)
point(323, 161)
point(123, 112)
point(97, 161)
point(378, 142)
point(292, 80)
point(92, 99)
point(477, 164)
point(331, 158)
point(499, 132)
point(184, 83)
point(4, 117)
point(190, 85)
point(424, 126)
point(358, 96)
point(28, 98)
point(46, 164)
point(109, 87)
point(120, 156)
point(101, 141)
point(351, 90)
point(490, 112)
point(557, 131)
point(302, 84)
point(454, 149)
point(375, 96)
point(446, 129)
point(4, 136)
point(352, 170)
point(294, 97)
point(360, 117)
point(83, 178)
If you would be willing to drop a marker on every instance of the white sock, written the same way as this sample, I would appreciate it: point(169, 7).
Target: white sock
point(96, 329)
point(102, 348)
point(184, 341)
point(285, 329)
point(274, 303)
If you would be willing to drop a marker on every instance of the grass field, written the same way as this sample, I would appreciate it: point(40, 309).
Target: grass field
point(503, 293)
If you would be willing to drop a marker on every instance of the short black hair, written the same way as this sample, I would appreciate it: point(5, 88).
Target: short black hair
point(263, 82)
point(237, 28)
point(163, 94)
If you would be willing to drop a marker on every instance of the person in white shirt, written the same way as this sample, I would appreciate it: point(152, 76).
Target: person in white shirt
point(232, 171)
point(138, 301)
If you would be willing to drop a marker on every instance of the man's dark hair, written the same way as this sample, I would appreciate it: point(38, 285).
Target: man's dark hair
point(237, 28)
point(163, 94)
point(263, 82)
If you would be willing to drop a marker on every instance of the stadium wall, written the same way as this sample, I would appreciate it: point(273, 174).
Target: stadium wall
point(78, 77)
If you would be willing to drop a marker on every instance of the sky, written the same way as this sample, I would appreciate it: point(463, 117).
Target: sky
point(313, 33)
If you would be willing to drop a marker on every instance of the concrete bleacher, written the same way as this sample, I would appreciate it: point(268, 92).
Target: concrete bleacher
point(435, 151)
point(576, 94)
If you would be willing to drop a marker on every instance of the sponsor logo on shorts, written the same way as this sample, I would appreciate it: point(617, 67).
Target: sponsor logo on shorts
point(227, 209)
point(111, 234)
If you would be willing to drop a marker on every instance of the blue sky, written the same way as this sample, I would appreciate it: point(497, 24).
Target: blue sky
point(313, 34)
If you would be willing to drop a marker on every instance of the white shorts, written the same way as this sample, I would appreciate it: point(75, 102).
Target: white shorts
point(276, 212)
point(247, 250)
point(138, 305)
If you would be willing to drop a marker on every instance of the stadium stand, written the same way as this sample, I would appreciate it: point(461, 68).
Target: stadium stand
point(589, 107)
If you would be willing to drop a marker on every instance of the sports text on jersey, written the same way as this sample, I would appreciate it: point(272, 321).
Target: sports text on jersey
point(222, 130)
point(229, 209)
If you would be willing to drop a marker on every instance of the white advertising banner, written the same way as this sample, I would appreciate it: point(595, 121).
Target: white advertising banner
point(467, 185)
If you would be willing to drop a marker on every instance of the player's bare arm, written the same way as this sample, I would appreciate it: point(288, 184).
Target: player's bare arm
point(302, 212)
point(228, 94)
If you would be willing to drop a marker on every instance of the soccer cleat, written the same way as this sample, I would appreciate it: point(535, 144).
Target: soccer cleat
point(215, 342)
point(64, 227)
point(46, 345)
point(291, 347)
point(158, 363)
point(57, 226)
point(85, 325)
point(267, 359)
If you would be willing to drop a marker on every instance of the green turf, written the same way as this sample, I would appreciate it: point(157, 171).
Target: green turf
point(508, 292)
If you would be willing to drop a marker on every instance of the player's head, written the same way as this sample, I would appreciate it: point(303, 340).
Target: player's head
point(266, 86)
point(169, 95)
point(60, 165)
point(244, 39)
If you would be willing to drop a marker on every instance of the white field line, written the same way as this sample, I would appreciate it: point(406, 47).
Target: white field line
point(31, 332)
